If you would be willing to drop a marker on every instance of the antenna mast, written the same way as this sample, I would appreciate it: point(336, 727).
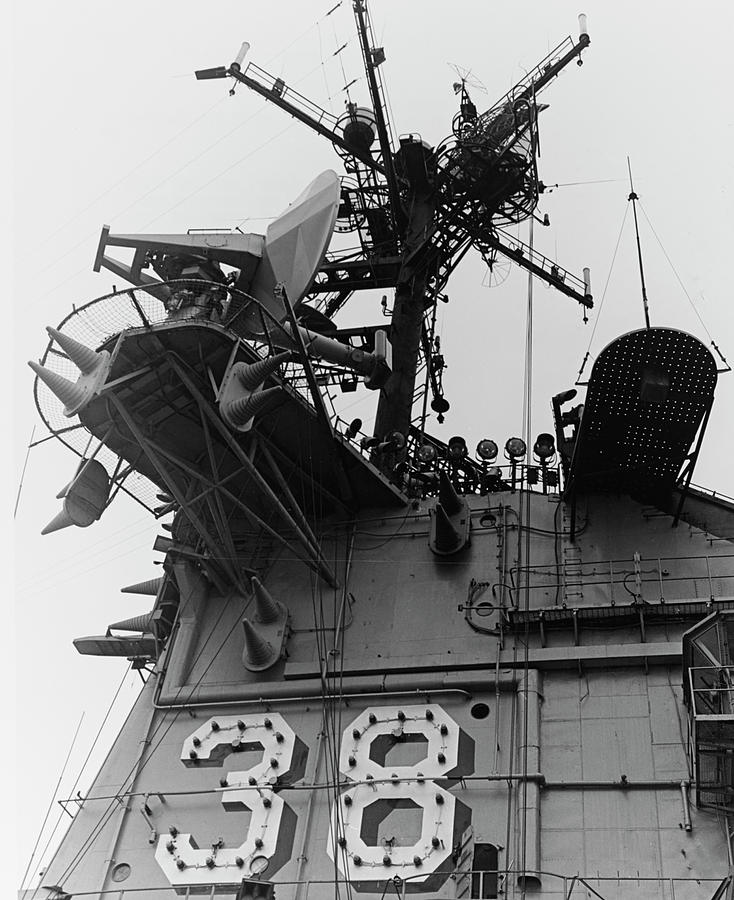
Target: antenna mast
point(634, 198)
point(418, 209)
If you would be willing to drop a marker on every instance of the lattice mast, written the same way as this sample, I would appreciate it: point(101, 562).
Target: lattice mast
point(418, 209)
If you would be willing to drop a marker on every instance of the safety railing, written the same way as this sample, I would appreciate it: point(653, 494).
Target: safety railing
point(278, 88)
point(646, 580)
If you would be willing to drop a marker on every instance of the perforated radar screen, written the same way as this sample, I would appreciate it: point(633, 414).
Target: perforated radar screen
point(648, 395)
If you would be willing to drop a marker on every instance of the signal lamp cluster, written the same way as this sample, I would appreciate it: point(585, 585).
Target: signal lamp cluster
point(483, 467)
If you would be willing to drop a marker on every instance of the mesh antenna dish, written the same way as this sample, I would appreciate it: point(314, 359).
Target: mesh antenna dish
point(497, 271)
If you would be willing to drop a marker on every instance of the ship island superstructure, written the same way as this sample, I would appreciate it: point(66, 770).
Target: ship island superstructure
point(387, 664)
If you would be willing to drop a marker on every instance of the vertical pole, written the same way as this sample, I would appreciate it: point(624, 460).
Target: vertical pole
point(634, 198)
point(708, 576)
point(395, 406)
point(611, 582)
point(381, 124)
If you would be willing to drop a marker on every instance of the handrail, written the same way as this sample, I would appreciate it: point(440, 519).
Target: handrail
point(613, 573)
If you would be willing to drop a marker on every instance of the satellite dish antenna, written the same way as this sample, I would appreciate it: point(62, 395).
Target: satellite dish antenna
point(297, 241)
point(295, 246)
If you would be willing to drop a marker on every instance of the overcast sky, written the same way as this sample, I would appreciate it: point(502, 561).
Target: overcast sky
point(110, 127)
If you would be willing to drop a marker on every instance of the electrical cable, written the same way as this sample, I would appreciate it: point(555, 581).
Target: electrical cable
point(391, 537)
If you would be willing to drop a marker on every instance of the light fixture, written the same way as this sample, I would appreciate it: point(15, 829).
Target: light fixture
point(353, 429)
point(565, 396)
point(515, 448)
point(440, 405)
point(426, 454)
point(457, 449)
point(487, 450)
point(491, 479)
point(544, 447)
point(393, 442)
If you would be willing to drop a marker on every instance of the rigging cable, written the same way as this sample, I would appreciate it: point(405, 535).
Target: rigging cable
point(132, 205)
point(51, 802)
point(340, 47)
point(323, 69)
point(22, 474)
point(175, 137)
point(35, 589)
point(119, 181)
point(328, 727)
point(84, 764)
point(339, 651)
point(680, 282)
point(604, 294)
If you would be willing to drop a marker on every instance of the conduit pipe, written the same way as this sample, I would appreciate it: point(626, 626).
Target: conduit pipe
point(529, 796)
point(399, 685)
point(686, 806)
point(193, 591)
point(463, 781)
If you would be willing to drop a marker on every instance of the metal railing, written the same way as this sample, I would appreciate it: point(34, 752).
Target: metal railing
point(647, 580)
point(278, 88)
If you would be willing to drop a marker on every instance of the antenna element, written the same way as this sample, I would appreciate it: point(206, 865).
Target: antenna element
point(634, 198)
